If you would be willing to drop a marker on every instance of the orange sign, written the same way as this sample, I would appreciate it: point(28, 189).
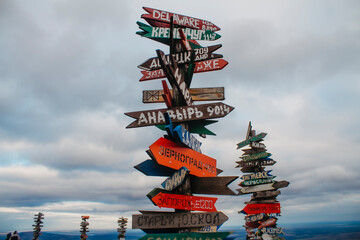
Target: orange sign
point(175, 156)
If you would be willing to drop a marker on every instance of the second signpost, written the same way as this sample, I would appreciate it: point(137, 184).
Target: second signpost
point(178, 155)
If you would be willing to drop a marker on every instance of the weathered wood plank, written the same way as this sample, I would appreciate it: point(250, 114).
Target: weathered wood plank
point(255, 156)
point(263, 187)
point(153, 220)
point(266, 194)
point(179, 114)
point(160, 18)
point(251, 139)
point(256, 163)
point(257, 175)
point(175, 179)
point(197, 94)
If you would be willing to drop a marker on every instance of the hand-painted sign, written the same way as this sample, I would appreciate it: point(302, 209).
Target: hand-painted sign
point(257, 181)
point(160, 220)
point(184, 202)
point(181, 135)
point(171, 154)
point(151, 168)
point(263, 187)
point(179, 114)
point(176, 179)
point(255, 217)
point(268, 223)
point(252, 169)
point(266, 194)
point(249, 151)
point(255, 156)
point(187, 236)
point(272, 231)
point(190, 33)
point(166, 94)
point(261, 208)
point(257, 175)
point(252, 139)
point(203, 66)
point(205, 229)
point(197, 94)
point(257, 145)
point(155, 17)
point(212, 185)
point(201, 54)
point(196, 126)
point(259, 162)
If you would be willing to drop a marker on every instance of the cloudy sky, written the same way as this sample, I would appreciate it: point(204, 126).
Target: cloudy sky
point(68, 72)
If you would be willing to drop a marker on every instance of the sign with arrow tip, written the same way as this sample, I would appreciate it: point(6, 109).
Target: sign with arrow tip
point(160, 18)
point(252, 139)
point(261, 208)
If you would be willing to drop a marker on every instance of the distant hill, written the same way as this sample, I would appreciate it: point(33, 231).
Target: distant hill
point(310, 231)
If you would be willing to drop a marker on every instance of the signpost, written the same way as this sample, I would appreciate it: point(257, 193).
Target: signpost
point(160, 18)
point(179, 114)
point(212, 185)
point(170, 154)
point(197, 94)
point(160, 220)
point(201, 54)
point(263, 187)
point(200, 67)
point(184, 202)
point(261, 208)
point(164, 32)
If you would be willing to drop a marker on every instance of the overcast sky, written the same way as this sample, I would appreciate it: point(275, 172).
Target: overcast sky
point(68, 73)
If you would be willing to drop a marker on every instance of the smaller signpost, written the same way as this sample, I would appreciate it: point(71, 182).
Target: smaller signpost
point(122, 227)
point(38, 225)
point(260, 220)
point(84, 229)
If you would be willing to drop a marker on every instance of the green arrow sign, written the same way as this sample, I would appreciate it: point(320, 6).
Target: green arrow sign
point(162, 32)
point(253, 139)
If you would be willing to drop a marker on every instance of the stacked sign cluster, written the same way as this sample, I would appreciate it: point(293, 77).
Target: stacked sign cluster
point(38, 225)
point(84, 227)
point(122, 227)
point(178, 155)
point(263, 208)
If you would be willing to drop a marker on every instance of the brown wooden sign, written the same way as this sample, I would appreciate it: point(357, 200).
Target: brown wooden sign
point(170, 154)
point(265, 162)
point(197, 94)
point(212, 185)
point(160, 220)
point(263, 187)
point(160, 18)
point(179, 114)
point(203, 66)
point(201, 54)
point(266, 194)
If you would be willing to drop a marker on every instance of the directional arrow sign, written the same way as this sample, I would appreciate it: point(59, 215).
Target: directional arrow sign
point(183, 202)
point(179, 114)
point(257, 181)
point(176, 179)
point(263, 187)
point(187, 236)
point(161, 18)
point(267, 194)
point(203, 66)
point(252, 139)
point(197, 94)
point(268, 223)
point(212, 185)
point(255, 156)
point(257, 175)
point(164, 32)
point(272, 231)
point(160, 220)
point(201, 54)
point(151, 168)
point(255, 217)
point(261, 208)
point(259, 162)
point(171, 154)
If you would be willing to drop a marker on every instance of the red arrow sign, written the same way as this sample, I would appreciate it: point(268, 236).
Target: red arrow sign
point(204, 66)
point(261, 208)
point(173, 155)
point(184, 202)
point(161, 18)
